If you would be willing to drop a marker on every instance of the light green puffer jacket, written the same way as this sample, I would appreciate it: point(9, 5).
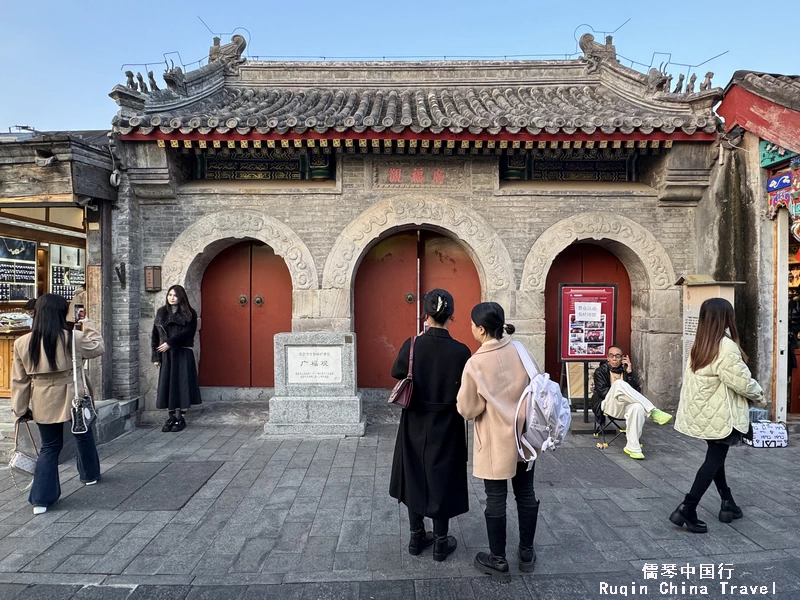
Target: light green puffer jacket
point(714, 399)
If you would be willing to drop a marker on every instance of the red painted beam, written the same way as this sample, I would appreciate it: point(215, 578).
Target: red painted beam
point(678, 136)
point(767, 120)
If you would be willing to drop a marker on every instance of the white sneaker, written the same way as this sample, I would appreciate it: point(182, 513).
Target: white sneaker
point(91, 482)
point(39, 510)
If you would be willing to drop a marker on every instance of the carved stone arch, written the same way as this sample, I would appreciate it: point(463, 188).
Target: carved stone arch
point(194, 249)
point(632, 239)
point(489, 254)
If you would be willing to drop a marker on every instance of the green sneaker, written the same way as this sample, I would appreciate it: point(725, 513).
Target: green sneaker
point(632, 454)
point(660, 417)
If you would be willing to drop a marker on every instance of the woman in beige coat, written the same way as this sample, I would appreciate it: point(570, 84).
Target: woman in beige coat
point(491, 386)
point(717, 389)
point(42, 389)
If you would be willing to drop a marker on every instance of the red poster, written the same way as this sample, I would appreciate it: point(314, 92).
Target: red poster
point(587, 321)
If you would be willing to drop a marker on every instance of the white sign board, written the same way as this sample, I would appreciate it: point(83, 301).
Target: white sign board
point(313, 364)
point(693, 298)
point(588, 311)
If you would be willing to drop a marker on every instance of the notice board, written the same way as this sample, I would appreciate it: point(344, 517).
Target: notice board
point(587, 315)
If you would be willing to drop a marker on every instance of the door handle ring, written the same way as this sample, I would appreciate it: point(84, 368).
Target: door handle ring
point(242, 300)
point(258, 300)
point(409, 297)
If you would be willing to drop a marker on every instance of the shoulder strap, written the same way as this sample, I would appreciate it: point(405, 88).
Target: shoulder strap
point(75, 367)
point(30, 434)
point(411, 357)
point(526, 359)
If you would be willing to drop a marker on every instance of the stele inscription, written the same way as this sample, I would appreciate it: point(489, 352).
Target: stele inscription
point(313, 364)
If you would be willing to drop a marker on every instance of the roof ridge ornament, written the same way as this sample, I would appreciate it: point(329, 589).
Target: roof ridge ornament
point(230, 53)
point(596, 52)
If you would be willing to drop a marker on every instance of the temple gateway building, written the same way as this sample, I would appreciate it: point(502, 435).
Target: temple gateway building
point(329, 197)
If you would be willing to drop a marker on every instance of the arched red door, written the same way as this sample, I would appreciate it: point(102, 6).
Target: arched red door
point(391, 280)
point(585, 263)
point(247, 299)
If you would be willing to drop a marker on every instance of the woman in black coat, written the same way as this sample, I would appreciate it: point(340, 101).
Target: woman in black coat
point(429, 470)
point(172, 342)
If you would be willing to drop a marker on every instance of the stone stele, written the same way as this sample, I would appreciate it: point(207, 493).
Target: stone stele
point(315, 386)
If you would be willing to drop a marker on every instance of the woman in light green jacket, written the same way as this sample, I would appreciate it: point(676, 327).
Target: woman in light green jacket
point(714, 406)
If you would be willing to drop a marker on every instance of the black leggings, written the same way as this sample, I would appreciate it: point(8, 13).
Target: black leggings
point(712, 469)
point(497, 491)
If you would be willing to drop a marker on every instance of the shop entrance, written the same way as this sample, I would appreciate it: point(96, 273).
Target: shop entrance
point(247, 299)
point(793, 402)
point(593, 264)
point(391, 281)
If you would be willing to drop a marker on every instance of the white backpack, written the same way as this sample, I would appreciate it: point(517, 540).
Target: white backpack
point(547, 412)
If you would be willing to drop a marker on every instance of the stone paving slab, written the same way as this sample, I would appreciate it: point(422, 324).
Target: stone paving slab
point(222, 512)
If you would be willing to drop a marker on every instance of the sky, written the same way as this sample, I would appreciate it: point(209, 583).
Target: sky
point(60, 59)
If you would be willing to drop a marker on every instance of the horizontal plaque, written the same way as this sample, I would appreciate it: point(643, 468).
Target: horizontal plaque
point(419, 174)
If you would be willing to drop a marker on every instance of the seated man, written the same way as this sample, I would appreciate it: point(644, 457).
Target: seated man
point(617, 393)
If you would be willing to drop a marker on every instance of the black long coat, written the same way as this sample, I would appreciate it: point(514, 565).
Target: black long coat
point(429, 470)
point(178, 387)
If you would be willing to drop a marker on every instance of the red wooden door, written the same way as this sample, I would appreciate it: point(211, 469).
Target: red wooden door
point(389, 285)
point(383, 316)
point(586, 263)
point(225, 332)
point(271, 312)
point(236, 338)
point(445, 264)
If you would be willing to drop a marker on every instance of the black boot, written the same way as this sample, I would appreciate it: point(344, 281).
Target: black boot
point(494, 564)
point(443, 547)
point(686, 514)
point(171, 420)
point(179, 425)
point(420, 539)
point(528, 517)
point(728, 510)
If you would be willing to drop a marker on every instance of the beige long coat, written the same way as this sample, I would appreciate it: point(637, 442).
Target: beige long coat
point(49, 393)
point(491, 386)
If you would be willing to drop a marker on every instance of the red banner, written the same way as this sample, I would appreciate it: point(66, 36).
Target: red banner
point(587, 321)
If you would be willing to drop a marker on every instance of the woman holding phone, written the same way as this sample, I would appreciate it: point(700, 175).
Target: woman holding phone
point(42, 390)
point(172, 345)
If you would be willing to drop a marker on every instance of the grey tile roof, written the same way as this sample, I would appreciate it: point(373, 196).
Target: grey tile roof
point(586, 95)
point(780, 89)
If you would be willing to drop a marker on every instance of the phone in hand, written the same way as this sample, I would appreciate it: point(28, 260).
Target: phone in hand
point(80, 312)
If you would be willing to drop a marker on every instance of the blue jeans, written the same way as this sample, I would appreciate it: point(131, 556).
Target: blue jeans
point(46, 488)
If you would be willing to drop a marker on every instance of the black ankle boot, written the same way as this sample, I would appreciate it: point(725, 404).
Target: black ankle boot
point(527, 557)
point(171, 420)
point(420, 540)
point(179, 425)
point(686, 514)
point(728, 511)
point(443, 547)
point(496, 566)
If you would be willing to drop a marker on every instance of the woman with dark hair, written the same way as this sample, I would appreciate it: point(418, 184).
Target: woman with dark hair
point(42, 389)
point(491, 386)
point(172, 344)
point(717, 389)
point(429, 470)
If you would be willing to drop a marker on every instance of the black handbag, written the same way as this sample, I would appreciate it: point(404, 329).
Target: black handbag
point(82, 410)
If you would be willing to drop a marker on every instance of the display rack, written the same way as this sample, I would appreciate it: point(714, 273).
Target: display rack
point(67, 270)
point(17, 270)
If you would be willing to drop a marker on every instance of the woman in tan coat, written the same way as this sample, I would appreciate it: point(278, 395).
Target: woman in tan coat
point(42, 389)
point(491, 386)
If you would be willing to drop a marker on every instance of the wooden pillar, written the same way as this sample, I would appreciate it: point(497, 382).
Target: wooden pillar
point(781, 340)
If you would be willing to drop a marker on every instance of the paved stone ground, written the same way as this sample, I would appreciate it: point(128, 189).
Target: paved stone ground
point(221, 512)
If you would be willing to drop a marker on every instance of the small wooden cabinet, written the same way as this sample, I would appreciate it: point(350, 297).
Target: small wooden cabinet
point(6, 360)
